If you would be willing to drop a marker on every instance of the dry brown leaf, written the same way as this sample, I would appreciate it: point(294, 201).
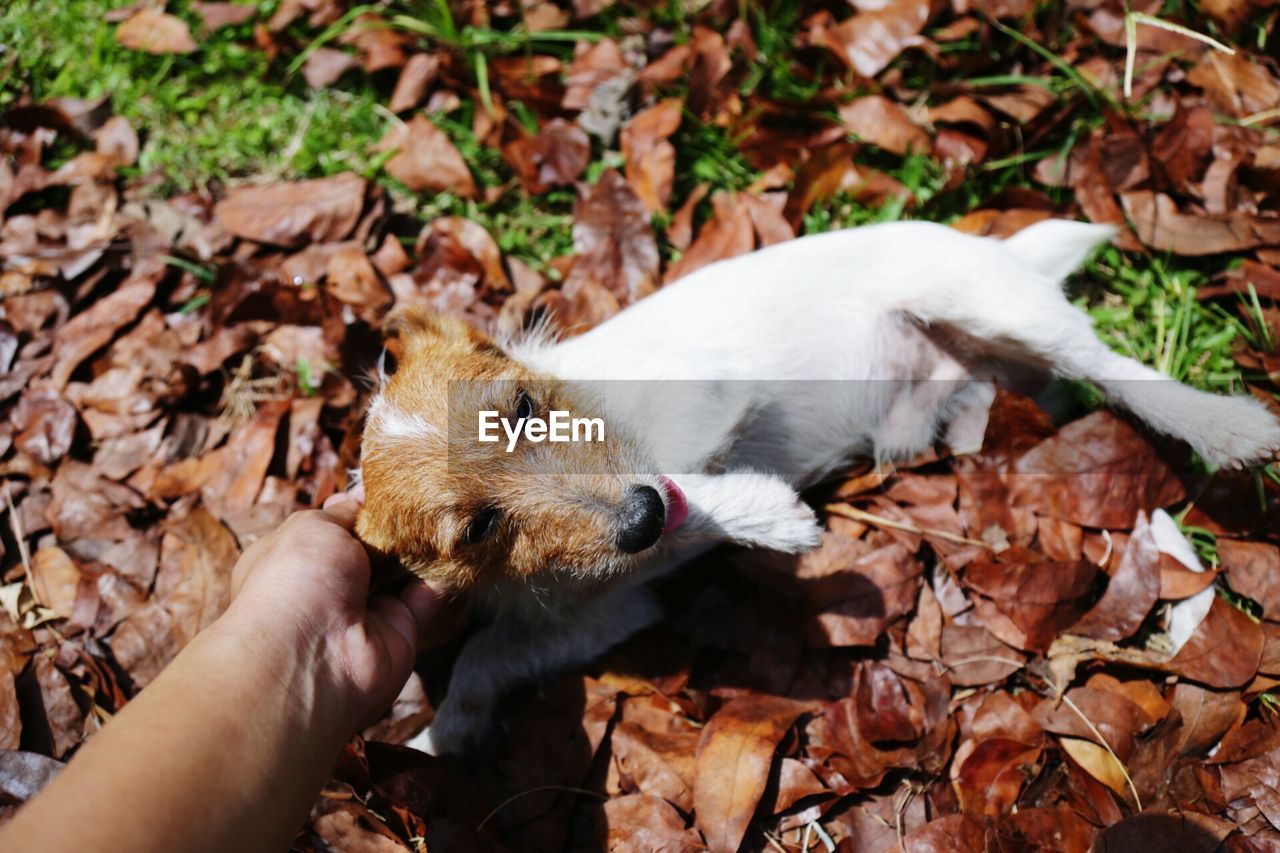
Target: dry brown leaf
point(193, 583)
point(215, 16)
point(993, 774)
point(1224, 650)
point(640, 824)
point(553, 157)
point(1103, 473)
point(426, 159)
point(728, 233)
point(10, 720)
point(873, 38)
point(55, 577)
point(1028, 604)
point(614, 240)
point(325, 65)
point(288, 214)
point(1131, 593)
point(1253, 569)
point(62, 713)
point(415, 79)
point(1160, 225)
point(153, 31)
point(878, 120)
point(1234, 84)
point(650, 156)
point(734, 758)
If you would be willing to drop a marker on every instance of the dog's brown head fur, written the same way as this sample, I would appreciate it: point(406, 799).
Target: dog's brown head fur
point(464, 513)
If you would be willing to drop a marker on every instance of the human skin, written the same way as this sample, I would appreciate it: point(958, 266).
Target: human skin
point(229, 746)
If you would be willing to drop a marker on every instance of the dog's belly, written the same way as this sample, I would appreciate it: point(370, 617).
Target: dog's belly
point(885, 394)
point(790, 360)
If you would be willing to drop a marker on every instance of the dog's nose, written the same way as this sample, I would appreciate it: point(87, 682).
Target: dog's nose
point(642, 517)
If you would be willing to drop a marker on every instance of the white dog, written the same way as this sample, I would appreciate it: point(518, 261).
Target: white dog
point(723, 394)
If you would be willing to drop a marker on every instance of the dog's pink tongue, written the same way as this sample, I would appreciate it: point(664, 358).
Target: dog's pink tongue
point(677, 506)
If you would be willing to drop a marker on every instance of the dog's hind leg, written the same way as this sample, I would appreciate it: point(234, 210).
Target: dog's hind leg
point(1014, 312)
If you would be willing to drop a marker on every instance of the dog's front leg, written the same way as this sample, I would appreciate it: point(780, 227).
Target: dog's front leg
point(515, 650)
point(747, 508)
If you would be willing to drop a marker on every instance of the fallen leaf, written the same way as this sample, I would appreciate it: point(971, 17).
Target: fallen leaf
point(1103, 473)
point(1253, 569)
point(46, 425)
point(25, 774)
point(215, 16)
point(728, 233)
point(639, 823)
point(992, 776)
point(1234, 84)
point(853, 595)
point(193, 582)
point(10, 725)
point(1224, 650)
point(955, 833)
point(62, 713)
point(426, 159)
point(876, 119)
point(153, 31)
point(1160, 225)
point(415, 79)
point(650, 156)
point(658, 763)
point(734, 756)
point(555, 156)
point(55, 577)
point(614, 240)
point(93, 328)
point(1028, 604)
point(1206, 715)
point(325, 65)
point(287, 214)
point(874, 37)
point(1131, 592)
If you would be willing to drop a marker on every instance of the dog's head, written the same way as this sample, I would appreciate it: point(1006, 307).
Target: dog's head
point(469, 513)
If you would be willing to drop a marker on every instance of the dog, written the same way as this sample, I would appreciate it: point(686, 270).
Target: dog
point(722, 396)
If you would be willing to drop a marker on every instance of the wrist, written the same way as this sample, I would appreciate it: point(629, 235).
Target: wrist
point(282, 669)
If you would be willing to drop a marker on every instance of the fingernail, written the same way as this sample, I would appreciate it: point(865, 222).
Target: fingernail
point(422, 601)
point(335, 499)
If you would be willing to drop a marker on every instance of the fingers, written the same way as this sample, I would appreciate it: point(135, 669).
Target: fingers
point(342, 507)
point(423, 603)
point(392, 617)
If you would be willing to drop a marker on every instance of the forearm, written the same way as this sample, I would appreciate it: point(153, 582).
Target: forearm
point(195, 762)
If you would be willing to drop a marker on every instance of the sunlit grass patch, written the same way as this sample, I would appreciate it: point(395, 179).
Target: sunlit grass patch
point(219, 113)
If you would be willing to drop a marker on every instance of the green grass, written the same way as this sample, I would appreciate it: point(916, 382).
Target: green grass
point(221, 112)
point(1147, 309)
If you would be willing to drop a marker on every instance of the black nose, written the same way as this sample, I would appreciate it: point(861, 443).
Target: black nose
point(642, 517)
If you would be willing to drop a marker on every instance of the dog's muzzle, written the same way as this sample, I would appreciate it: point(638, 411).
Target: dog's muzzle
point(641, 519)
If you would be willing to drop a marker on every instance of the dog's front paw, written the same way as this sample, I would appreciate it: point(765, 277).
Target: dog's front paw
point(453, 731)
point(1243, 432)
point(795, 531)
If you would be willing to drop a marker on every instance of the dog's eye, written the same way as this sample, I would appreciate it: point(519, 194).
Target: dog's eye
point(482, 525)
point(524, 406)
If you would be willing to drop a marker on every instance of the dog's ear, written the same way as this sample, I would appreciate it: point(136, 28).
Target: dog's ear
point(416, 328)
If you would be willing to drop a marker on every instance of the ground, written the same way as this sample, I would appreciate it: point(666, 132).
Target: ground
point(209, 209)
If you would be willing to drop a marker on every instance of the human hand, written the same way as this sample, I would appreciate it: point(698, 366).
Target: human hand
point(303, 589)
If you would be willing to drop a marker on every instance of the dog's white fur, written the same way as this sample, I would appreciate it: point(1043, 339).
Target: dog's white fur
point(754, 341)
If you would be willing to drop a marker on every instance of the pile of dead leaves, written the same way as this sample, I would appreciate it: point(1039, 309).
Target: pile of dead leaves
point(1014, 649)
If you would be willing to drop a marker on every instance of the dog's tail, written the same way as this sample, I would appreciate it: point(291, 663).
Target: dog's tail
point(1057, 247)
